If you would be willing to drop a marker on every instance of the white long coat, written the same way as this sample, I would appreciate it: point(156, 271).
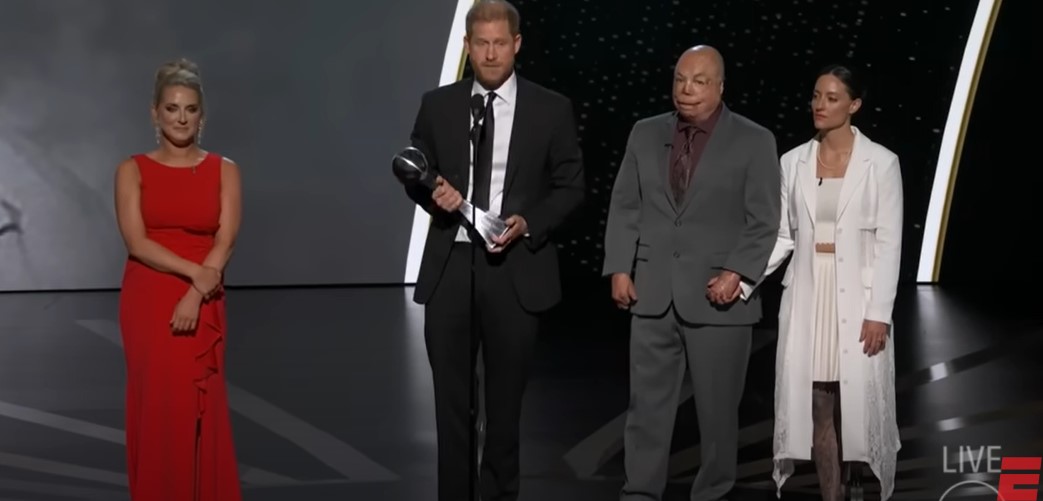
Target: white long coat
point(868, 242)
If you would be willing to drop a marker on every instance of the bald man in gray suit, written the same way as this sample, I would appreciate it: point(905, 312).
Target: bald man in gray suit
point(693, 219)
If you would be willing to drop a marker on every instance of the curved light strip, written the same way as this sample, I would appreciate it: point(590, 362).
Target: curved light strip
point(971, 482)
point(952, 141)
point(452, 68)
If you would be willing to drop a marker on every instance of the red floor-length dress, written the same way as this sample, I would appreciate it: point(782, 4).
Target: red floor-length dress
point(179, 437)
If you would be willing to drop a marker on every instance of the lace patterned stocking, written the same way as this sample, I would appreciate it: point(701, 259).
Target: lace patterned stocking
point(825, 447)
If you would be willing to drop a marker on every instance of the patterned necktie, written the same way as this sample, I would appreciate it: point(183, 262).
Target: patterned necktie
point(483, 171)
point(681, 170)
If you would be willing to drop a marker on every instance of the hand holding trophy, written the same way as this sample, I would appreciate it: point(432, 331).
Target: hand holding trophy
point(410, 166)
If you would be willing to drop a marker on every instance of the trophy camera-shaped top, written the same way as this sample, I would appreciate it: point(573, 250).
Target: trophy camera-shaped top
point(410, 166)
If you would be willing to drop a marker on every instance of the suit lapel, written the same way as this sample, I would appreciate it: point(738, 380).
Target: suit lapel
point(857, 166)
point(459, 136)
point(518, 134)
point(664, 145)
point(806, 177)
point(856, 170)
point(709, 161)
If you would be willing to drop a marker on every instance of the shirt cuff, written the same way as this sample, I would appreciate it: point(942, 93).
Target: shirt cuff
point(747, 290)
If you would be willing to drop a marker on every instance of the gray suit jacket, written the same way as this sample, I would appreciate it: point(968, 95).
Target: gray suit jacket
point(728, 220)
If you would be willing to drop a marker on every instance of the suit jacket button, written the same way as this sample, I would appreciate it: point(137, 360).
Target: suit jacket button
point(677, 254)
point(677, 223)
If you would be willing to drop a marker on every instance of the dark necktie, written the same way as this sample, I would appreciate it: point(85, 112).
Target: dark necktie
point(681, 170)
point(483, 171)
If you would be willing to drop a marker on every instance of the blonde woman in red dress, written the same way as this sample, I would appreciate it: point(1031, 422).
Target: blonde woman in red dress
point(178, 209)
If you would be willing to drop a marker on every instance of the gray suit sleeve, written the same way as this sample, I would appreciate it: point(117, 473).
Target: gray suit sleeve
point(624, 212)
point(763, 206)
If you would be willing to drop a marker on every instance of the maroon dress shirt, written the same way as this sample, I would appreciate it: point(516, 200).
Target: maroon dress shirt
point(689, 141)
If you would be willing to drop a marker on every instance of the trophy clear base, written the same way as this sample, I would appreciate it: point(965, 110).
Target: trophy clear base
point(487, 225)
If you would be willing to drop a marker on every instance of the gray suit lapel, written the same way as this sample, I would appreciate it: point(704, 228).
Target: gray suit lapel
point(663, 145)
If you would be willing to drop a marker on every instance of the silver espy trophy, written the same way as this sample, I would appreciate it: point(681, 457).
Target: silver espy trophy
point(410, 166)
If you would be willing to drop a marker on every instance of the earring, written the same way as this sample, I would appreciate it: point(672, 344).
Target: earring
point(199, 135)
point(158, 134)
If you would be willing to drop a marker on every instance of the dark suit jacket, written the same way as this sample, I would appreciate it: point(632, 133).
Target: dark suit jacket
point(544, 183)
point(728, 220)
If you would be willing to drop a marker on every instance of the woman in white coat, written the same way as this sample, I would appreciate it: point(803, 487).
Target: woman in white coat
point(842, 207)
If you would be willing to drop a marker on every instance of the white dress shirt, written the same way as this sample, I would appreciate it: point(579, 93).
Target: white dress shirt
point(503, 116)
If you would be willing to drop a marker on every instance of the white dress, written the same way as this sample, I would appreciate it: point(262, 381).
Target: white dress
point(825, 334)
point(868, 236)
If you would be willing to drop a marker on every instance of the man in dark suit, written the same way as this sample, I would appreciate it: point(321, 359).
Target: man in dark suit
point(530, 173)
point(694, 217)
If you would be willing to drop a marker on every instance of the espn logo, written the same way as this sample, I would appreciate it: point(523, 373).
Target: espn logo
point(1010, 482)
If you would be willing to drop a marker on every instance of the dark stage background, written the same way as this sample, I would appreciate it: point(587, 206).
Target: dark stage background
point(615, 59)
point(312, 99)
point(994, 216)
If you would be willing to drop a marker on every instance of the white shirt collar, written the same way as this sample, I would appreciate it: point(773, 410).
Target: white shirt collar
point(508, 91)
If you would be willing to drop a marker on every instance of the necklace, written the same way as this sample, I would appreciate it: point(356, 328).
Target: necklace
point(828, 167)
